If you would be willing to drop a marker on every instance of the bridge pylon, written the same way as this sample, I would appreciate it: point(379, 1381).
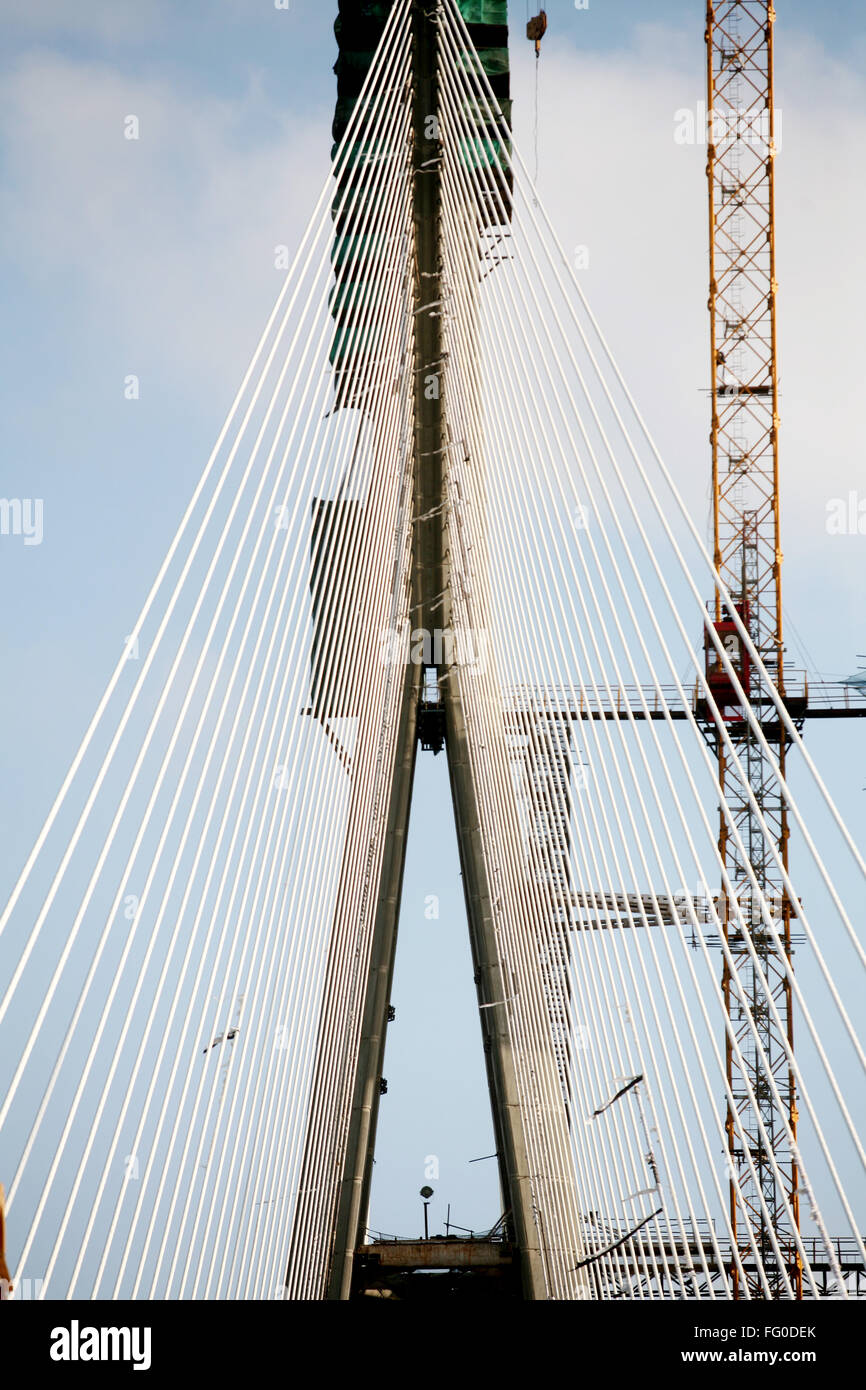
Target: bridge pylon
point(541, 1218)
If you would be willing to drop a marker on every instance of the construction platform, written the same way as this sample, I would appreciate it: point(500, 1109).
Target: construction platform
point(441, 1266)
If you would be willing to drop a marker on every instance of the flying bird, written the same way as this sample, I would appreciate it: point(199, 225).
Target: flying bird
point(634, 1082)
point(227, 1037)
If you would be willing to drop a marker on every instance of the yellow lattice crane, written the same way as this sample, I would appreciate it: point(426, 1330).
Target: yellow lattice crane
point(748, 556)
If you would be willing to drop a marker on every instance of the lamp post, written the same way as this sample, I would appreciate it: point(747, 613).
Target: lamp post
point(426, 1193)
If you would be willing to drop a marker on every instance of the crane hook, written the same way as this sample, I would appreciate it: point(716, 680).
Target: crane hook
point(536, 29)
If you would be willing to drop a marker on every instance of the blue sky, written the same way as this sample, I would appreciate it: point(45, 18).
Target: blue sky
point(156, 258)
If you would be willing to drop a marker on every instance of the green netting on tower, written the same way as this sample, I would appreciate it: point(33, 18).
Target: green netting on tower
point(358, 29)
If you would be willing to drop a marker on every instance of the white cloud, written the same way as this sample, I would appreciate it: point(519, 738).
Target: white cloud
point(100, 19)
point(169, 237)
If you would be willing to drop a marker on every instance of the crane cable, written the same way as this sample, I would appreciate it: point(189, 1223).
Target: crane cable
point(536, 27)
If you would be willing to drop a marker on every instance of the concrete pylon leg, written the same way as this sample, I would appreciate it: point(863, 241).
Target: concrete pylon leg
point(354, 1194)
